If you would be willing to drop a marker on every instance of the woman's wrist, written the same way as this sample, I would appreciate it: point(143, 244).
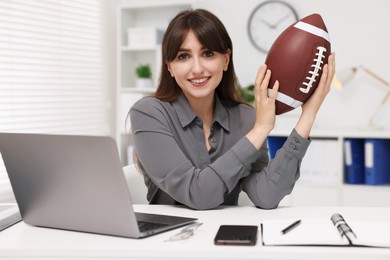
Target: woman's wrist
point(304, 125)
point(257, 136)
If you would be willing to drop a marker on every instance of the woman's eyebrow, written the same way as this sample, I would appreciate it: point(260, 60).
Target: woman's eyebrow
point(188, 50)
point(184, 49)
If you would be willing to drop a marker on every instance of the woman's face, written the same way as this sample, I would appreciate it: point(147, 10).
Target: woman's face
point(198, 71)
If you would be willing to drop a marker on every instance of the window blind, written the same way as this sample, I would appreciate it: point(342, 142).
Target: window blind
point(52, 77)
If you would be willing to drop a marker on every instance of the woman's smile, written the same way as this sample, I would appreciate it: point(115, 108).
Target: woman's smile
point(199, 82)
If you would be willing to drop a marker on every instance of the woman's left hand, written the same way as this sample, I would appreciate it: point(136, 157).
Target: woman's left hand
point(313, 104)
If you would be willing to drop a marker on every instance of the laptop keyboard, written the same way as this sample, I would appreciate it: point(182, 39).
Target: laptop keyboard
point(10, 220)
point(146, 226)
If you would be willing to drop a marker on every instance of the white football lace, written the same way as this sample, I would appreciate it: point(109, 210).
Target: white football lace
point(314, 73)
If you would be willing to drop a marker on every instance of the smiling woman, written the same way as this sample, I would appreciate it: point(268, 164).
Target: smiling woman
point(52, 77)
point(196, 142)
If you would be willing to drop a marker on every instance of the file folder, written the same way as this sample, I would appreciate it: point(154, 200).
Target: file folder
point(377, 161)
point(354, 167)
point(274, 144)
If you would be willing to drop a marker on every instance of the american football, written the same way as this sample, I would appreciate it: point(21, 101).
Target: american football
point(296, 60)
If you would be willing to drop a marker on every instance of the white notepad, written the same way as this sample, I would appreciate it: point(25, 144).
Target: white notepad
point(326, 232)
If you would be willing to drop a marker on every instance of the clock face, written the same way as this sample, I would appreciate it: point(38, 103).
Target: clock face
point(267, 21)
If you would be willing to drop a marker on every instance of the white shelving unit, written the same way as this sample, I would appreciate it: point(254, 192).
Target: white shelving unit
point(138, 14)
point(319, 193)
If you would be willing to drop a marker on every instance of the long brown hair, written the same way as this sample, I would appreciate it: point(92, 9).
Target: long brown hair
point(213, 35)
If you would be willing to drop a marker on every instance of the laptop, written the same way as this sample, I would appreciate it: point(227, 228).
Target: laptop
point(76, 183)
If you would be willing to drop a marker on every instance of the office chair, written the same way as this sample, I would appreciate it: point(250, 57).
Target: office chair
point(135, 182)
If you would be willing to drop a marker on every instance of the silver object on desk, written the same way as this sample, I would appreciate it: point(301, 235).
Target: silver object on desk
point(185, 233)
point(76, 183)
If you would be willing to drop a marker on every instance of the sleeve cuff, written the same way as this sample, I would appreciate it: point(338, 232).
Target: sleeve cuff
point(296, 145)
point(246, 153)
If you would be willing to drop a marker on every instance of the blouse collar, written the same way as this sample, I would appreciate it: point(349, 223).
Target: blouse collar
point(186, 115)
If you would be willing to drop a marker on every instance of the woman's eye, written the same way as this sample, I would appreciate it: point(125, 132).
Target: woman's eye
point(183, 56)
point(208, 53)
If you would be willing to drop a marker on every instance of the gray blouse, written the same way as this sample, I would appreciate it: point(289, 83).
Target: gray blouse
point(178, 168)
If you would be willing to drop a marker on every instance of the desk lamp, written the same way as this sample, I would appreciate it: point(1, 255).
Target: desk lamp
point(344, 77)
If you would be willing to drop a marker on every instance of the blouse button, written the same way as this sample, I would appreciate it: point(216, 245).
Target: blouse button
point(292, 146)
point(213, 140)
point(198, 122)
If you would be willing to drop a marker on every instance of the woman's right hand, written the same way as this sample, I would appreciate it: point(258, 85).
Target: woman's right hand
point(264, 101)
point(265, 107)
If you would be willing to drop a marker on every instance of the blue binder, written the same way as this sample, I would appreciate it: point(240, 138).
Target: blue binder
point(354, 168)
point(274, 144)
point(377, 161)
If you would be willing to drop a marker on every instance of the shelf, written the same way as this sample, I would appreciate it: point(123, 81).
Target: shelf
point(365, 195)
point(138, 90)
point(139, 14)
point(130, 49)
point(358, 187)
point(155, 4)
point(337, 133)
point(317, 162)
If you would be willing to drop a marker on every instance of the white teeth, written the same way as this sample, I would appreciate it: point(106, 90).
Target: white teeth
point(199, 81)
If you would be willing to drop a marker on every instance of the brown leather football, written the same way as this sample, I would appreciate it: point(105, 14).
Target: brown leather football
point(296, 60)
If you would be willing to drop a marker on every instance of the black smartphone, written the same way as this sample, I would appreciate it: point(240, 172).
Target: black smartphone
point(241, 235)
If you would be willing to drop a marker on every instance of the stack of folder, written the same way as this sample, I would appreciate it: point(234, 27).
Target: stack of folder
point(354, 167)
point(367, 161)
point(377, 161)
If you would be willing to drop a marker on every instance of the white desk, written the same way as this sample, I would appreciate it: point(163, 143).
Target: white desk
point(22, 241)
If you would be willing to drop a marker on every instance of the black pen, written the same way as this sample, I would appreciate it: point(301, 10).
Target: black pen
point(290, 227)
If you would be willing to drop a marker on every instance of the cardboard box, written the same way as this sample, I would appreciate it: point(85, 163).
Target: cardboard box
point(144, 37)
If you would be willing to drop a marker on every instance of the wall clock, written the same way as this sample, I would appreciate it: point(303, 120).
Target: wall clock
point(267, 21)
